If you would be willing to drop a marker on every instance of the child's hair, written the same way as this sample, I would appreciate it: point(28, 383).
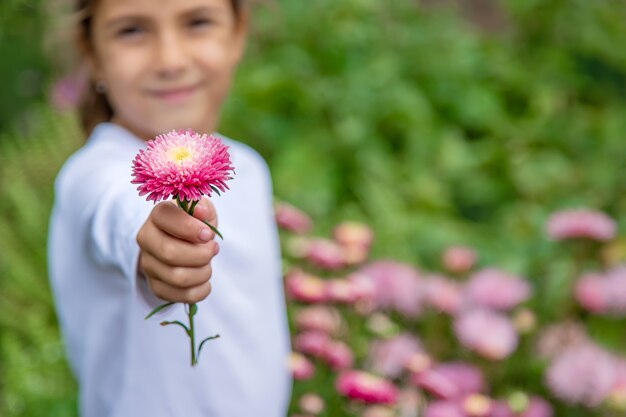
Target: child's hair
point(94, 106)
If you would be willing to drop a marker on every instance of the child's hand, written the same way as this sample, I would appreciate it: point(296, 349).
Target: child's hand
point(176, 251)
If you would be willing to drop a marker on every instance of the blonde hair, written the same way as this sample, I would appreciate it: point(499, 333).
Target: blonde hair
point(94, 106)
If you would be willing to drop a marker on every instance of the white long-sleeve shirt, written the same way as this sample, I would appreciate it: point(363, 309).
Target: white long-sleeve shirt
point(130, 367)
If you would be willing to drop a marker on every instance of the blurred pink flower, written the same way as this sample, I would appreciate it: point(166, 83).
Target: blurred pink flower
point(389, 357)
point(458, 259)
point(304, 287)
point(490, 334)
point(312, 343)
point(581, 223)
point(318, 318)
point(364, 291)
point(617, 397)
point(355, 240)
point(341, 290)
point(582, 374)
point(616, 284)
point(443, 294)
point(67, 91)
point(557, 337)
point(378, 411)
point(444, 409)
point(451, 380)
point(338, 355)
point(590, 292)
point(537, 407)
point(492, 288)
point(501, 409)
point(291, 218)
point(603, 294)
point(301, 368)
point(366, 387)
point(325, 254)
point(477, 405)
point(397, 286)
point(311, 403)
point(182, 164)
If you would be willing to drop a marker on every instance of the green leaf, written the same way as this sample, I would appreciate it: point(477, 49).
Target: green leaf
point(202, 344)
point(167, 323)
point(214, 229)
point(159, 308)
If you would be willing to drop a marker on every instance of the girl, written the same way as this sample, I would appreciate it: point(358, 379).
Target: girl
point(158, 65)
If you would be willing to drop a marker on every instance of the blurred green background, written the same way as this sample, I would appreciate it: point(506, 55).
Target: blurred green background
point(436, 125)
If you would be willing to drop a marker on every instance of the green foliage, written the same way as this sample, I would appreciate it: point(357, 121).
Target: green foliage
point(23, 66)
point(407, 118)
point(34, 379)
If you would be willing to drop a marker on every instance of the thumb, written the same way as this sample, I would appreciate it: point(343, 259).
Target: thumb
point(205, 211)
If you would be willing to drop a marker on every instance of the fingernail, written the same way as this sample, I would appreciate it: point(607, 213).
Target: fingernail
point(205, 235)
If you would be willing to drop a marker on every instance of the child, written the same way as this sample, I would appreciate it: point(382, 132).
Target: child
point(155, 66)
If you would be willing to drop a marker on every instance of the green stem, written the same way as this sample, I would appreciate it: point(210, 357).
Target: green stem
point(191, 310)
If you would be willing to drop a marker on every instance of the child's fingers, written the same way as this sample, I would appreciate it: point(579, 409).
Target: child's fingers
point(180, 295)
point(175, 252)
point(175, 222)
point(180, 277)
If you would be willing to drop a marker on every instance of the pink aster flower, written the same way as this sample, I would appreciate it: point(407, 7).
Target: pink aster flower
point(343, 291)
point(389, 357)
point(312, 343)
point(366, 387)
point(444, 409)
point(311, 403)
point(556, 338)
point(182, 164)
point(492, 288)
point(338, 355)
point(320, 318)
point(292, 219)
point(603, 294)
point(583, 374)
point(325, 254)
point(490, 334)
point(304, 287)
point(397, 286)
point(591, 292)
point(501, 408)
point(301, 368)
point(616, 284)
point(444, 295)
point(581, 223)
point(537, 407)
point(458, 259)
point(451, 380)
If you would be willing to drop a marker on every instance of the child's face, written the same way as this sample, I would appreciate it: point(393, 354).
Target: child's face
point(167, 64)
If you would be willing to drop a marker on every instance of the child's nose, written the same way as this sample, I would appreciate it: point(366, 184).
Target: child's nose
point(171, 56)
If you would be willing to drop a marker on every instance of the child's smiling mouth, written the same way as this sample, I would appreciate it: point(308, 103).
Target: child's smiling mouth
point(174, 95)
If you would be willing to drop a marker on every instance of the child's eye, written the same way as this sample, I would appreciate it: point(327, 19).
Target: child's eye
point(130, 31)
point(200, 23)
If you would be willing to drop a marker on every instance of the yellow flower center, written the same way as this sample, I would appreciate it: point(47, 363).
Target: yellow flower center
point(179, 155)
